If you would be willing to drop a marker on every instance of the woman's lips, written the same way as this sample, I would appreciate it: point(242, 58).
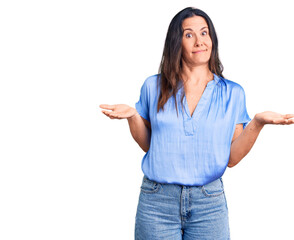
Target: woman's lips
point(199, 51)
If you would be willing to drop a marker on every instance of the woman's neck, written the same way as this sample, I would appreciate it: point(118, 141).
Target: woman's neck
point(197, 75)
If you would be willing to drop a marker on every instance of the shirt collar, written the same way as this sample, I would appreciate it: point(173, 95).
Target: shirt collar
point(215, 80)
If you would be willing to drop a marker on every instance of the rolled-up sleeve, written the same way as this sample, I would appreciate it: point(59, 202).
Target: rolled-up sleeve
point(142, 106)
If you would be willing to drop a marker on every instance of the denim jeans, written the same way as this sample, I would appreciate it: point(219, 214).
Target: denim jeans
point(176, 212)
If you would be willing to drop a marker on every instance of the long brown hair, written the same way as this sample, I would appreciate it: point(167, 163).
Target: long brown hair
point(171, 62)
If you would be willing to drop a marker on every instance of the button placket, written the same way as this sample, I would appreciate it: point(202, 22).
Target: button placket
point(190, 123)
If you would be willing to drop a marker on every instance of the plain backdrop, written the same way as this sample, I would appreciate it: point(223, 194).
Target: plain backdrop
point(69, 172)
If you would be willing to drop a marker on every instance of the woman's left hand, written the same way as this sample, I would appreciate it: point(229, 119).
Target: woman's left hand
point(274, 118)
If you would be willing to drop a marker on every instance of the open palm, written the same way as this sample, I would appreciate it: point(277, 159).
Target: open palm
point(119, 111)
point(269, 117)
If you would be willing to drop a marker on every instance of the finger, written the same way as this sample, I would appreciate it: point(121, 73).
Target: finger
point(111, 115)
point(285, 121)
point(107, 106)
point(108, 114)
point(105, 112)
point(289, 115)
point(290, 121)
point(115, 115)
point(280, 121)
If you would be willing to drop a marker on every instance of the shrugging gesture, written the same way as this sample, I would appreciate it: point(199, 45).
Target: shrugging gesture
point(140, 128)
point(246, 139)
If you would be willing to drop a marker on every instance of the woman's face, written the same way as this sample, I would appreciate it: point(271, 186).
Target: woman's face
point(196, 38)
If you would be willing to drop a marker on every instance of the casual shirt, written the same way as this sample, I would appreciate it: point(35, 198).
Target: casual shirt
point(193, 150)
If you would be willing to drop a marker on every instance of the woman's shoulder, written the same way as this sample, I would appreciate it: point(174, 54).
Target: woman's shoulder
point(153, 79)
point(235, 86)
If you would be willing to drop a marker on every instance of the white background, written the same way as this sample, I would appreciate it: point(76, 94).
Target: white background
point(69, 172)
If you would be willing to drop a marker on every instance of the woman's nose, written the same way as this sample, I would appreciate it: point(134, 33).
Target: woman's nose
point(198, 42)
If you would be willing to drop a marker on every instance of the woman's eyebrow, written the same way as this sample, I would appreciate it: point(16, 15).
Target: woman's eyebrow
point(203, 28)
point(190, 29)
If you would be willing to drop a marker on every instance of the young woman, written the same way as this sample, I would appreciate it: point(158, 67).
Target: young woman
point(192, 123)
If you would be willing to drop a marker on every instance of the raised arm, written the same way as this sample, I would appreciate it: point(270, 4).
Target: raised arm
point(139, 127)
point(246, 138)
point(141, 131)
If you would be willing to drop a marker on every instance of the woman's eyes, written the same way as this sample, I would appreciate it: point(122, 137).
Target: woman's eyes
point(189, 35)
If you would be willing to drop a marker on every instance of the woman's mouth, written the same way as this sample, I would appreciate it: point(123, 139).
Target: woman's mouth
point(199, 51)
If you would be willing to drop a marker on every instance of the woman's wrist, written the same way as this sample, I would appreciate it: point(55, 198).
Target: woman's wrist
point(257, 123)
point(133, 116)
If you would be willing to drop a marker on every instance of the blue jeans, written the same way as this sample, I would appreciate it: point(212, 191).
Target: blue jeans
point(176, 212)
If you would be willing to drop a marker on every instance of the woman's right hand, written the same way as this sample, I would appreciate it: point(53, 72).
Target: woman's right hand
point(119, 111)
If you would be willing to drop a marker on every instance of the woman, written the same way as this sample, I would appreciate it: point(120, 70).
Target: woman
point(192, 123)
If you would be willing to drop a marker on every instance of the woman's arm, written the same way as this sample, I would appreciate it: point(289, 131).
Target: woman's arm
point(140, 130)
point(245, 141)
point(139, 127)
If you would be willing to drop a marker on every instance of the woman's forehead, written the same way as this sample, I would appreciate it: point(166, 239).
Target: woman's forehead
point(195, 22)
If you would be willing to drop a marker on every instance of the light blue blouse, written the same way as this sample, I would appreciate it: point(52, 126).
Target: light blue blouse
point(195, 150)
